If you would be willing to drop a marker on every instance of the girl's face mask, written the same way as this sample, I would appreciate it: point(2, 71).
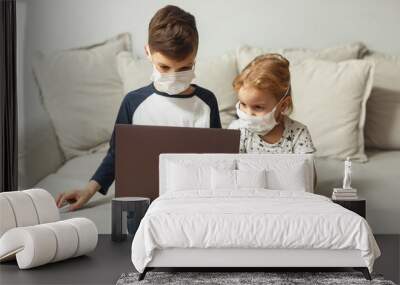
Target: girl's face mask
point(172, 82)
point(260, 125)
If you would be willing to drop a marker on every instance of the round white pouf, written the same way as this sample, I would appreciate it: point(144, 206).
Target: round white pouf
point(45, 205)
point(7, 218)
point(67, 239)
point(87, 233)
point(23, 208)
point(33, 246)
point(40, 244)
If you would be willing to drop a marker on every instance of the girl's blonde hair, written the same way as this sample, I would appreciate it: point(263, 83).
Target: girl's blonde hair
point(268, 72)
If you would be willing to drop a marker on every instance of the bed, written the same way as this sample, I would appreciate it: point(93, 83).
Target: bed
point(214, 214)
point(375, 180)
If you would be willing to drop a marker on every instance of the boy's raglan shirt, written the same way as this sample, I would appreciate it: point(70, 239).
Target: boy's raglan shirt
point(148, 106)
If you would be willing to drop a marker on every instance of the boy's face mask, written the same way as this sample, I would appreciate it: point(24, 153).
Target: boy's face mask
point(171, 82)
point(174, 82)
point(260, 125)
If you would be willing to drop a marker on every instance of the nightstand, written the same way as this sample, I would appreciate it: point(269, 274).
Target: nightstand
point(127, 210)
point(358, 206)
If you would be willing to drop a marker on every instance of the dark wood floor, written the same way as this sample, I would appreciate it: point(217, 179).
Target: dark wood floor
point(110, 260)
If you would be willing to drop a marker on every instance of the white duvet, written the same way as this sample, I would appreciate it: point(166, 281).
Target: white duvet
point(250, 219)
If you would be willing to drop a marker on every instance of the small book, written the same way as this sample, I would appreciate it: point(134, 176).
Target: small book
point(343, 190)
point(334, 197)
point(345, 194)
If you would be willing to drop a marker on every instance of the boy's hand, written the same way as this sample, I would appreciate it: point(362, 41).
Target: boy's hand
point(77, 198)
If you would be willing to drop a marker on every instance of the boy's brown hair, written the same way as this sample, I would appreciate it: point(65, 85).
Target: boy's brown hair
point(173, 33)
point(268, 72)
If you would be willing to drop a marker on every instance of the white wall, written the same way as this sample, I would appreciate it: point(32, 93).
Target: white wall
point(59, 24)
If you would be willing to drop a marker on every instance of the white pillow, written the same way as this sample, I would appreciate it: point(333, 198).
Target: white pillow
point(251, 178)
point(183, 178)
point(287, 174)
point(292, 179)
point(383, 108)
point(82, 91)
point(246, 54)
point(330, 99)
point(228, 179)
point(223, 179)
point(215, 74)
point(196, 175)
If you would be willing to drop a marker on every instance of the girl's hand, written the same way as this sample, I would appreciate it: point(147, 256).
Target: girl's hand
point(77, 198)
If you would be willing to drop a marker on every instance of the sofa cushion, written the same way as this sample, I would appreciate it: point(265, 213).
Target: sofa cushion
point(81, 90)
point(330, 99)
point(383, 108)
point(246, 54)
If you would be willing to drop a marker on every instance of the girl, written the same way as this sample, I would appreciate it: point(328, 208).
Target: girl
point(263, 108)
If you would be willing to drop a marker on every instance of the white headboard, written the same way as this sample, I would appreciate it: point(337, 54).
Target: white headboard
point(166, 158)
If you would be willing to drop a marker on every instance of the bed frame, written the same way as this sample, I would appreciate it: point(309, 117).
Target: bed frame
point(242, 259)
point(248, 259)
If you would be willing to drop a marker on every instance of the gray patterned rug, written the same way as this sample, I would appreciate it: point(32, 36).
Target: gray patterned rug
point(243, 278)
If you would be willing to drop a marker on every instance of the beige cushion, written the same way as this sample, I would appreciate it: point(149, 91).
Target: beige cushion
point(382, 128)
point(246, 54)
point(215, 74)
point(134, 72)
point(330, 99)
point(81, 90)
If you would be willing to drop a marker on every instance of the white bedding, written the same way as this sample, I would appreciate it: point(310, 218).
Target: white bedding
point(250, 219)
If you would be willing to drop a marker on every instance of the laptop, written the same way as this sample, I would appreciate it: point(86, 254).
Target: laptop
point(138, 148)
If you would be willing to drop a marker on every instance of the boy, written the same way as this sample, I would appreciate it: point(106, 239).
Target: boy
point(171, 99)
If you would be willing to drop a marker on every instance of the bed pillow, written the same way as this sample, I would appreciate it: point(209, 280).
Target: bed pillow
point(383, 107)
point(251, 178)
point(82, 91)
point(246, 54)
point(229, 179)
point(330, 99)
point(196, 175)
point(215, 74)
point(223, 179)
point(181, 177)
point(288, 174)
